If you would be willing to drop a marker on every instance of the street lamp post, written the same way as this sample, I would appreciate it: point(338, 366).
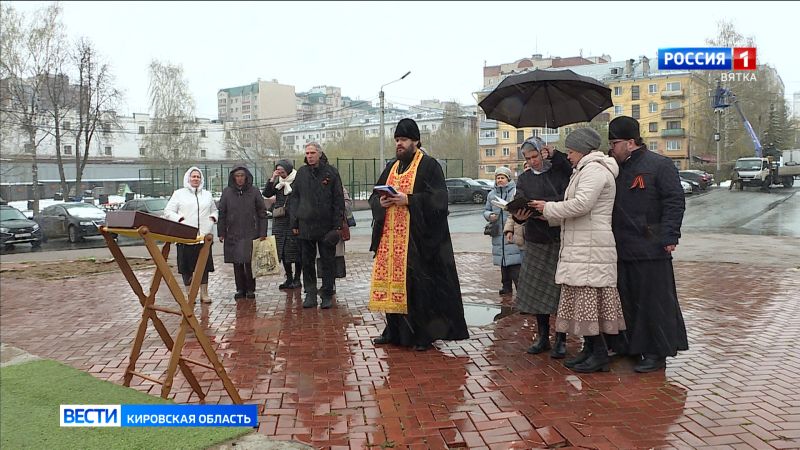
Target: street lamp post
point(383, 131)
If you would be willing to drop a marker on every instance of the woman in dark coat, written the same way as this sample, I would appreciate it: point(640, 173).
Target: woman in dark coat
point(280, 185)
point(537, 292)
point(242, 219)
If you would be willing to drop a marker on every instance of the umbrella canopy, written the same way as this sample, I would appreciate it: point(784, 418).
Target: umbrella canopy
point(546, 98)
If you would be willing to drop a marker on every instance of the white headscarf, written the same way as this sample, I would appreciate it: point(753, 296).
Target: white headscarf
point(286, 183)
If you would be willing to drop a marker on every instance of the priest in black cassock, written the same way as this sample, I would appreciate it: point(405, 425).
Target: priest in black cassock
point(414, 277)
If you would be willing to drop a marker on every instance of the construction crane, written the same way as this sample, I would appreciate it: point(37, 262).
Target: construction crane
point(724, 98)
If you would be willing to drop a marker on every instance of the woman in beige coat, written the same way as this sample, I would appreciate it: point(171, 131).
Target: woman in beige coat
point(587, 263)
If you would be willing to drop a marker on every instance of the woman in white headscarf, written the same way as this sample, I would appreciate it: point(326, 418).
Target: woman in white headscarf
point(194, 206)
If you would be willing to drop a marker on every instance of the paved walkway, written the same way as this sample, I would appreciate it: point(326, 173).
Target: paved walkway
point(321, 381)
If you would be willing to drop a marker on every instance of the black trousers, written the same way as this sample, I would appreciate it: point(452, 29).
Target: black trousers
point(327, 256)
point(243, 273)
point(509, 274)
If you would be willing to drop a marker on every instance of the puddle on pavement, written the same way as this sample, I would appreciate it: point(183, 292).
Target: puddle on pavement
point(478, 315)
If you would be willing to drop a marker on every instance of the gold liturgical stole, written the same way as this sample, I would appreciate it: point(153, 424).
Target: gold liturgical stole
point(388, 289)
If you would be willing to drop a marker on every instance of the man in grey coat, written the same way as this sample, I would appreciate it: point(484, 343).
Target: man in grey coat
point(242, 219)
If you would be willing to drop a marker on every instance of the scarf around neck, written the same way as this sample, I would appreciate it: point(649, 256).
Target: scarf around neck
point(286, 183)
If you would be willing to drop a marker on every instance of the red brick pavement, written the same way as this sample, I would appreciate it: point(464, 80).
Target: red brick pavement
point(321, 381)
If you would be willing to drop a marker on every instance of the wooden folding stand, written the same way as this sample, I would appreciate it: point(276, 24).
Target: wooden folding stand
point(188, 319)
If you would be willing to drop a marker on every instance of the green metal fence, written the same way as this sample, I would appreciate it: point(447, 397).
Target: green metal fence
point(358, 176)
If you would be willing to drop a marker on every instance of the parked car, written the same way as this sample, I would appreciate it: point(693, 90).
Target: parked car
point(466, 190)
point(15, 228)
point(72, 220)
point(687, 187)
point(154, 206)
point(694, 185)
point(489, 183)
point(702, 178)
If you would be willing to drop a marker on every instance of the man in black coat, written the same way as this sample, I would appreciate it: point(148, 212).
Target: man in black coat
point(414, 276)
point(316, 211)
point(647, 217)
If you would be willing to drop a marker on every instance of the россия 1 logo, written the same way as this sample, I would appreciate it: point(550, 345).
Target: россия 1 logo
point(707, 58)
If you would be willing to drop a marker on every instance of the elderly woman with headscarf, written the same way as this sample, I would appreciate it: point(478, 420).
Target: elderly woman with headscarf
point(504, 253)
point(280, 185)
point(537, 292)
point(587, 263)
point(194, 206)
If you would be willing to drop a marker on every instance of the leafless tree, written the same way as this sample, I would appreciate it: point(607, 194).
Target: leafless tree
point(173, 137)
point(29, 53)
point(97, 99)
point(253, 142)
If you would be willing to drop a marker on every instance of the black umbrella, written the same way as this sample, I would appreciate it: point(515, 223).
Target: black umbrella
point(546, 98)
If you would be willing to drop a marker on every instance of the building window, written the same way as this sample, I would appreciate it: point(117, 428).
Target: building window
point(653, 107)
point(229, 154)
point(67, 149)
point(506, 151)
point(202, 153)
point(506, 134)
point(106, 128)
point(617, 91)
point(203, 133)
point(619, 110)
point(635, 111)
point(634, 92)
point(28, 147)
point(142, 151)
point(227, 135)
point(653, 145)
point(65, 126)
point(674, 125)
point(489, 152)
point(673, 86)
point(490, 169)
point(652, 88)
point(653, 127)
point(673, 145)
point(141, 129)
point(673, 105)
point(108, 150)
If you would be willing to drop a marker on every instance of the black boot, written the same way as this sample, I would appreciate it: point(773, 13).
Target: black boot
point(311, 300)
point(542, 342)
point(560, 346)
point(298, 272)
point(597, 361)
point(582, 356)
point(651, 363)
point(287, 267)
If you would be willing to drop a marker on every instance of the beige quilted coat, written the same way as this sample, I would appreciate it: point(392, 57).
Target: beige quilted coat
point(588, 254)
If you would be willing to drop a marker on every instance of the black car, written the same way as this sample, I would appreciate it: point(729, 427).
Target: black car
point(72, 220)
point(154, 206)
point(696, 176)
point(15, 228)
point(466, 190)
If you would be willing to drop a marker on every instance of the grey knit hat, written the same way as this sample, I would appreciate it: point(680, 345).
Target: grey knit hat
point(583, 140)
point(505, 171)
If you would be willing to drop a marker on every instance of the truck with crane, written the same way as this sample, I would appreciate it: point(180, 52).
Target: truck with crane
point(768, 167)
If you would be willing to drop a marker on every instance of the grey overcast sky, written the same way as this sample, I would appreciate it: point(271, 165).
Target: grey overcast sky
point(359, 46)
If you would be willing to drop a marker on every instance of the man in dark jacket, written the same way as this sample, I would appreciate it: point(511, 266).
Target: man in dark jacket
point(414, 276)
point(242, 218)
point(648, 212)
point(316, 210)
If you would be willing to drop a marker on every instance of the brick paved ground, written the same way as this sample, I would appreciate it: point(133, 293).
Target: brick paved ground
point(321, 381)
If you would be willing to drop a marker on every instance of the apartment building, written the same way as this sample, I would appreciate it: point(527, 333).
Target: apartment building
point(269, 102)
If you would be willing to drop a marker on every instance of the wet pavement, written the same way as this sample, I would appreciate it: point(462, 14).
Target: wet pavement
point(321, 381)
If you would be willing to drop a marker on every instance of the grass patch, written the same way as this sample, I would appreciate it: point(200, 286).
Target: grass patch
point(30, 395)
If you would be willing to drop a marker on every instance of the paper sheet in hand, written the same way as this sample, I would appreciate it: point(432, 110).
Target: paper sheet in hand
point(385, 189)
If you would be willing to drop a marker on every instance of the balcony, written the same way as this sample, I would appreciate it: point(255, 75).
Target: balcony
point(672, 94)
point(488, 124)
point(673, 132)
point(487, 141)
point(675, 113)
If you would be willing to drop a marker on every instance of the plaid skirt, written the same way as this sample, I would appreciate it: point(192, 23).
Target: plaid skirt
point(589, 311)
point(537, 291)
